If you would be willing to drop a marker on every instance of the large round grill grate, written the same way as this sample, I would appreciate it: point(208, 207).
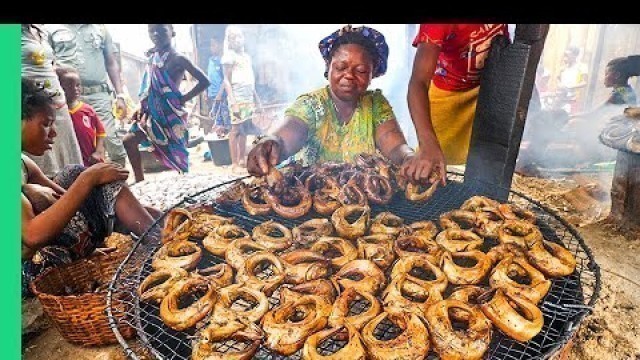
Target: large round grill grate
point(569, 300)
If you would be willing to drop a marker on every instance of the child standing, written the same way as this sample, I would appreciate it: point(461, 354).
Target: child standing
point(239, 83)
point(88, 127)
point(216, 93)
point(162, 118)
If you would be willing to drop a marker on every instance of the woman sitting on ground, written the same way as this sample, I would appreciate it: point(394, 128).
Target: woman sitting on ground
point(342, 119)
point(66, 218)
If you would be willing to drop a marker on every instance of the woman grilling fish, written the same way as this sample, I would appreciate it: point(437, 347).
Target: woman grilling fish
point(343, 118)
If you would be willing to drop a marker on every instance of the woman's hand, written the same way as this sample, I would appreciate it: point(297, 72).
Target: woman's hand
point(141, 118)
point(235, 109)
point(136, 115)
point(264, 155)
point(104, 173)
point(97, 157)
point(418, 167)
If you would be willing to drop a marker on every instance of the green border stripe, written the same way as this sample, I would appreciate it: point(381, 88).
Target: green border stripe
point(10, 330)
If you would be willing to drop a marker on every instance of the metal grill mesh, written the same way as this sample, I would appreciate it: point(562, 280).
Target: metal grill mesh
point(569, 300)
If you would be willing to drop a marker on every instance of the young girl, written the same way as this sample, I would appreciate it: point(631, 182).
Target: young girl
point(162, 119)
point(71, 217)
point(617, 75)
point(239, 82)
point(89, 129)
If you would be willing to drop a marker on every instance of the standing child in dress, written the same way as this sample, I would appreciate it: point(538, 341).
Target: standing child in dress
point(162, 119)
point(88, 127)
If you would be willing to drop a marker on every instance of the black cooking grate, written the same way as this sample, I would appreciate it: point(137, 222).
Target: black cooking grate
point(568, 301)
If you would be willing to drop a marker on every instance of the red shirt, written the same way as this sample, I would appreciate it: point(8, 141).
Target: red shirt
point(464, 47)
point(88, 128)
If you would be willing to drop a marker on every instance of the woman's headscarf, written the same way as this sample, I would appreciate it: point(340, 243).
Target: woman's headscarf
point(376, 38)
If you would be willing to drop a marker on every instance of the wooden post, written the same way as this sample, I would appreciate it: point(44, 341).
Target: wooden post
point(625, 191)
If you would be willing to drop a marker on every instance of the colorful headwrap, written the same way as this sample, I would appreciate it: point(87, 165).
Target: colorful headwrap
point(380, 63)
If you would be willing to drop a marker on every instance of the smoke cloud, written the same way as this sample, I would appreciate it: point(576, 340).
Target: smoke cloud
point(553, 140)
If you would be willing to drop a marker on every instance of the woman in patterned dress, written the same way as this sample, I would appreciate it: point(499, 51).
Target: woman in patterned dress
point(344, 118)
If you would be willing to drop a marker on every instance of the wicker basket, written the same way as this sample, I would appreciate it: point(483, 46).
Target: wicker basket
point(81, 318)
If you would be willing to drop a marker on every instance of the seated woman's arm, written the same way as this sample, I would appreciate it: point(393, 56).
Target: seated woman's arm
point(39, 230)
point(391, 142)
point(285, 141)
point(36, 176)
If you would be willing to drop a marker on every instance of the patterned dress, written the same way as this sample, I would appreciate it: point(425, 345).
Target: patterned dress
point(331, 140)
point(167, 132)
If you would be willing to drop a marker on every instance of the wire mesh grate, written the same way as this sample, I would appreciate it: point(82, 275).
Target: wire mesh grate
point(569, 300)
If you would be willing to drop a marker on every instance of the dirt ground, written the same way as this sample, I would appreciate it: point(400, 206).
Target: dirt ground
point(610, 333)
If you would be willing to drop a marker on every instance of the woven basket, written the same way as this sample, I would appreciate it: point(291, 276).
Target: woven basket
point(81, 318)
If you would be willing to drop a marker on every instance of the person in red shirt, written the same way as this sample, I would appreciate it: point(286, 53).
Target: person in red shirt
point(88, 127)
point(443, 91)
